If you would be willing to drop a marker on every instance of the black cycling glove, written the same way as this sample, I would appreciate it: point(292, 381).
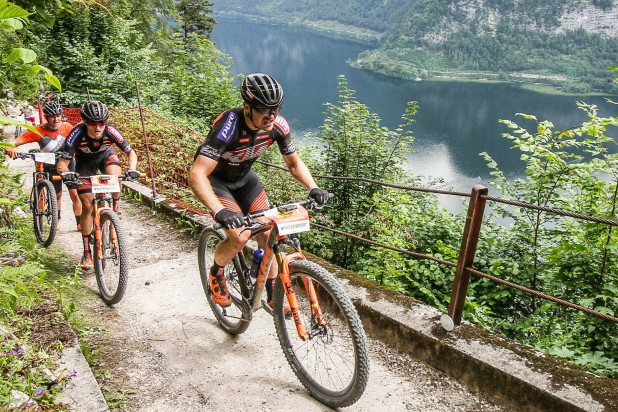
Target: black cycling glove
point(69, 177)
point(319, 195)
point(133, 174)
point(229, 219)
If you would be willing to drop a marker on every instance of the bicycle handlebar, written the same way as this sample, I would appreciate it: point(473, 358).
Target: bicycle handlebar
point(31, 154)
point(251, 224)
point(79, 179)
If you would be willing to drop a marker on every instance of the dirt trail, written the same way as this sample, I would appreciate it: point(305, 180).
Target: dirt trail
point(162, 350)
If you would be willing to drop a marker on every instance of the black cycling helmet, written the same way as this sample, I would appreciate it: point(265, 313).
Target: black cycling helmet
point(94, 111)
point(259, 89)
point(52, 108)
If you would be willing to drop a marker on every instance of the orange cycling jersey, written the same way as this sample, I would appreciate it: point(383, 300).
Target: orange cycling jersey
point(49, 141)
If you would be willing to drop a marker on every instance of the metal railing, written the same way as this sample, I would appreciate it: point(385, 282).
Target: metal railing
point(170, 140)
point(465, 260)
point(464, 266)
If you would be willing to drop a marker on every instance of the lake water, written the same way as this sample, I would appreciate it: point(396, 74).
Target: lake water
point(456, 120)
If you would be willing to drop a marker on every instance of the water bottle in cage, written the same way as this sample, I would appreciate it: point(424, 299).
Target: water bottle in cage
point(255, 264)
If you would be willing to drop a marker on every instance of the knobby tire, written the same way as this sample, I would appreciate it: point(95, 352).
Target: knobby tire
point(44, 212)
point(112, 271)
point(334, 364)
point(235, 318)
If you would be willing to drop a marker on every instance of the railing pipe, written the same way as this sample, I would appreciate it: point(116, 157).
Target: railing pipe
point(141, 116)
point(465, 260)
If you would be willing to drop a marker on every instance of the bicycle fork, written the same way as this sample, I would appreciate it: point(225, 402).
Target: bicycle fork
point(284, 274)
point(98, 240)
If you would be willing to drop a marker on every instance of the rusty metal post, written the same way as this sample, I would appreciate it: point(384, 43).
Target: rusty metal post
point(469, 240)
point(141, 115)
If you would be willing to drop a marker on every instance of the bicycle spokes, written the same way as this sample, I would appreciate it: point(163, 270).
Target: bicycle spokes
point(332, 361)
point(44, 212)
point(111, 259)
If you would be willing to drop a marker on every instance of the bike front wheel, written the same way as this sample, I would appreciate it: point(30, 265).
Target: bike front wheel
point(44, 212)
point(333, 364)
point(111, 263)
point(235, 318)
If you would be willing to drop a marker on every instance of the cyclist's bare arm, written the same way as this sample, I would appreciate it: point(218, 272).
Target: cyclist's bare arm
point(299, 170)
point(16, 142)
point(198, 180)
point(63, 165)
point(132, 160)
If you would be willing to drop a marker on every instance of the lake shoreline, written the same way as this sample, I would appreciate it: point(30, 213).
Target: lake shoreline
point(530, 81)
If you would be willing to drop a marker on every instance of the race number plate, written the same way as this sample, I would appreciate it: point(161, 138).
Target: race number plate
point(295, 221)
point(48, 158)
point(105, 184)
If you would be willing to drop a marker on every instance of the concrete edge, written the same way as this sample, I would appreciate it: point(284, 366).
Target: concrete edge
point(82, 393)
point(509, 373)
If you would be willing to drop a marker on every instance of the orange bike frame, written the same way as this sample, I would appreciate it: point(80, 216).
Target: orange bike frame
point(96, 222)
point(283, 264)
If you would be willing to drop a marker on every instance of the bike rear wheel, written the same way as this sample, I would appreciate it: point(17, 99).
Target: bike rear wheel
point(44, 212)
point(334, 363)
point(235, 318)
point(112, 269)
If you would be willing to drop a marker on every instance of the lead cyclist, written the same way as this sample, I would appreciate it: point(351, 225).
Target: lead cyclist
point(222, 179)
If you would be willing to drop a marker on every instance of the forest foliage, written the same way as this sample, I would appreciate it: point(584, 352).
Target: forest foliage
point(106, 53)
point(574, 260)
point(103, 52)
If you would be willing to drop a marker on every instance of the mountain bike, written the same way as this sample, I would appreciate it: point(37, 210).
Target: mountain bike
point(110, 252)
point(323, 340)
point(43, 202)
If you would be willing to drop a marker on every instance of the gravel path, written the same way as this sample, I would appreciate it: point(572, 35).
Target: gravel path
point(160, 348)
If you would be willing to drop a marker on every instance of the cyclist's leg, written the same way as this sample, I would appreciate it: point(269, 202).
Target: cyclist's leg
point(111, 166)
point(238, 197)
point(226, 250)
point(253, 198)
point(57, 187)
point(77, 204)
point(86, 167)
point(85, 197)
point(77, 207)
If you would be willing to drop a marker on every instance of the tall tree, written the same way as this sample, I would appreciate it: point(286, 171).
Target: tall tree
point(196, 17)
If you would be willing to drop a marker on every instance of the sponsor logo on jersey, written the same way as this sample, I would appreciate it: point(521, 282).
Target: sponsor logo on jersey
point(75, 133)
point(282, 124)
point(289, 149)
point(209, 152)
point(50, 145)
point(228, 129)
point(115, 134)
point(249, 153)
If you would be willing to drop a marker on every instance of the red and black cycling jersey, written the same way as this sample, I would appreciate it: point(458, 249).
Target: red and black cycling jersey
point(235, 146)
point(84, 147)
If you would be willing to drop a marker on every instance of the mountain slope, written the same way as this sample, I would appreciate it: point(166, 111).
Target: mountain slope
point(565, 43)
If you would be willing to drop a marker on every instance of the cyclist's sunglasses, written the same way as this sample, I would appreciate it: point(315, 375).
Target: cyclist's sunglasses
point(267, 111)
point(95, 124)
